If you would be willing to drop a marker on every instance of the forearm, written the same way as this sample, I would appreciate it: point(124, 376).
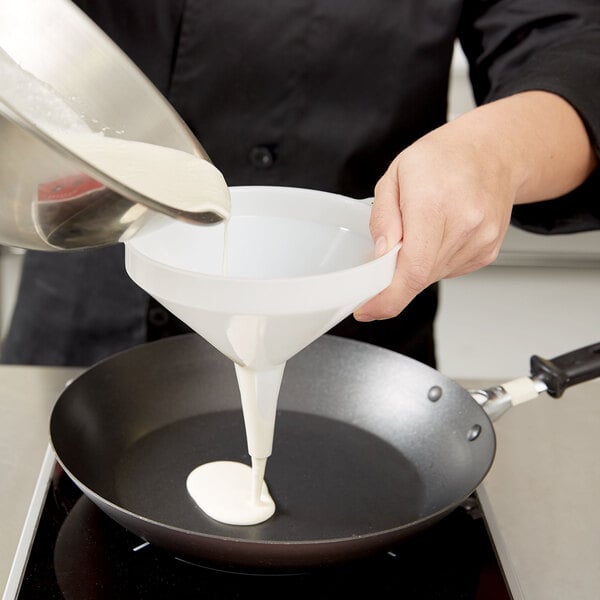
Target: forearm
point(536, 137)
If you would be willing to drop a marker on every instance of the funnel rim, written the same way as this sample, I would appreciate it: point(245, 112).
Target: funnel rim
point(338, 288)
point(336, 291)
point(234, 280)
point(238, 210)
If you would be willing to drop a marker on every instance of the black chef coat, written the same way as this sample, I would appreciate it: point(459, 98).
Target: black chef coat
point(314, 94)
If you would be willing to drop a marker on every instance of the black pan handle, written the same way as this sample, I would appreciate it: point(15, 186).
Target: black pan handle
point(568, 369)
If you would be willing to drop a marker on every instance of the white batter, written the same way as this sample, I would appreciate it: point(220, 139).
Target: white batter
point(223, 491)
point(165, 175)
point(229, 492)
point(232, 492)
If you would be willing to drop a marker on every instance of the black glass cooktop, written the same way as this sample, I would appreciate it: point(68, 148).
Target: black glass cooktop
point(81, 554)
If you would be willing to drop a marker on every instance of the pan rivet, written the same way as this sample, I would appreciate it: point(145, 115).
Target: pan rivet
point(474, 433)
point(435, 393)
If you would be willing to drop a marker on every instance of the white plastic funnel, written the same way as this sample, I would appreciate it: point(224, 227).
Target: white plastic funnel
point(298, 262)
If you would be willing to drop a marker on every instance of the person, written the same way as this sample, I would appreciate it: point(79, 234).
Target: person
point(351, 98)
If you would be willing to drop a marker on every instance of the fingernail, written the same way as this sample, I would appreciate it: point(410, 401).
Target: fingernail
point(364, 317)
point(380, 246)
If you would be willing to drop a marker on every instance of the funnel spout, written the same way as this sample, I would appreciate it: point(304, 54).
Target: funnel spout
point(259, 391)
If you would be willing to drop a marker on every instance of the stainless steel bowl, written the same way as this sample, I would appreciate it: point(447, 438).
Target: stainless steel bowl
point(59, 45)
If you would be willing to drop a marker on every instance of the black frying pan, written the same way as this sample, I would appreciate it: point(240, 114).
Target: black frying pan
point(370, 447)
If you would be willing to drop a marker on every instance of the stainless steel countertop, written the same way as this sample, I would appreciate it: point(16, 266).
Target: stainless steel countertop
point(541, 498)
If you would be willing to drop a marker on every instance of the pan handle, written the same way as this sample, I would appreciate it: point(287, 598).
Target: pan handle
point(553, 376)
point(568, 369)
point(498, 399)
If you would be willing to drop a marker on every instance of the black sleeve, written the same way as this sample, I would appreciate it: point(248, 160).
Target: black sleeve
point(553, 45)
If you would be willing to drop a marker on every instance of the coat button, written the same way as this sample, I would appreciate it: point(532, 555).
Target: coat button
point(158, 316)
point(261, 157)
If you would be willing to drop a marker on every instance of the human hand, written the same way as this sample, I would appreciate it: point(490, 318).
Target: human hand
point(448, 197)
point(449, 203)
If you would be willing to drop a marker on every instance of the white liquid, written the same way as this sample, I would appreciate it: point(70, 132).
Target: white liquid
point(243, 487)
point(223, 491)
point(180, 180)
point(230, 492)
point(164, 175)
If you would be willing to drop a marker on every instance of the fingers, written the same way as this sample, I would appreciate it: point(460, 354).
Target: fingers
point(449, 209)
point(415, 268)
point(386, 220)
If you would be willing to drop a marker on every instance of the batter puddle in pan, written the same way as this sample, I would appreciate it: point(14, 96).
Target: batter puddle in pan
point(329, 479)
